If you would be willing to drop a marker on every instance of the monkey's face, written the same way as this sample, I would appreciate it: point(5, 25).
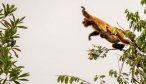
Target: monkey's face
point(87, 23)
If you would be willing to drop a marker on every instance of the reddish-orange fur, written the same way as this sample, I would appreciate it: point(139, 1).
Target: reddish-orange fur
point(105, 27)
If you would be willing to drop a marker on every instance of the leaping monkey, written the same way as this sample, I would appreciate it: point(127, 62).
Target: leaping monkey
point(112, 34)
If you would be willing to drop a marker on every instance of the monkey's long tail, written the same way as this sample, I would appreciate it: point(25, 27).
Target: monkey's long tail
point(83, 8)
point(85, 13)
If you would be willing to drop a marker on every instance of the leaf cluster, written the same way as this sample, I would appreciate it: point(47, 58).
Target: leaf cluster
point(9, 70)
point(70, 79)
point(97, 52)
point(101, 78)
point(122, 77)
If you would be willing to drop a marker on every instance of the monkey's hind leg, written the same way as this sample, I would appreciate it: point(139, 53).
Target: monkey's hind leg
point(118, 46)
point(94, 33)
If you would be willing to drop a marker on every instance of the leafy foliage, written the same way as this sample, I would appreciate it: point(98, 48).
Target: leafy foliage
point(97, 52)
point(70, 79)
point(9, 70)
point(101, 78)
point(134, 20)
point(121, 77)
point(143, 2)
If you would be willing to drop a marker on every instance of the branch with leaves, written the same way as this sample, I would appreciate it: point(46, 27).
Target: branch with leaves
point(70, 79)
point(9, 70)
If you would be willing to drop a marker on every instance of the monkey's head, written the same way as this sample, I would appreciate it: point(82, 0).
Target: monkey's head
point(87, 23)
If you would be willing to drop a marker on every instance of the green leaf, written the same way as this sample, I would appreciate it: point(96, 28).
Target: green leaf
point(23, 79)
point(102, 76)
point(24, 75)
point(23, 27)
point(15, 36)
point(8, 8)
point(59, 79)
point(96, 78)
point(12, 6)
point(12, 22)
point(22, 19)
point(17, 21)
point(15, 53)
point(4, 24)
point(81, 83)
point(62, 78)
point(1, 10)
point(16, 82)
point(143, 2)
point(111, 72)
point(66, 80)
point(22, 67)
point(71, 80)
point(125, 74)
point(4, 9)
point(76, 79)
point(2, 17)
point(13, 31)
point(17, 49)
point(13, 18)
point(13, 10)
point(13, 43)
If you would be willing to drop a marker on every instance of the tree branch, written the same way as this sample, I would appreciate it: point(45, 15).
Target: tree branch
point(76, 77)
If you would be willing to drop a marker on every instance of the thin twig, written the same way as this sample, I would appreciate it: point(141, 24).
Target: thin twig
point(118, 64)
point(122, 67)
point(113, 49)
point(120, 26)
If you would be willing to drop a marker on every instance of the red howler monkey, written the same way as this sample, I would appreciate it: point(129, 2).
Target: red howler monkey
point(105, 30)
point(109, 37)
point(103, 26)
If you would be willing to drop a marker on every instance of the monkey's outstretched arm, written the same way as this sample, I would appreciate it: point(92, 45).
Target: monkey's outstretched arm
point(94, 33)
